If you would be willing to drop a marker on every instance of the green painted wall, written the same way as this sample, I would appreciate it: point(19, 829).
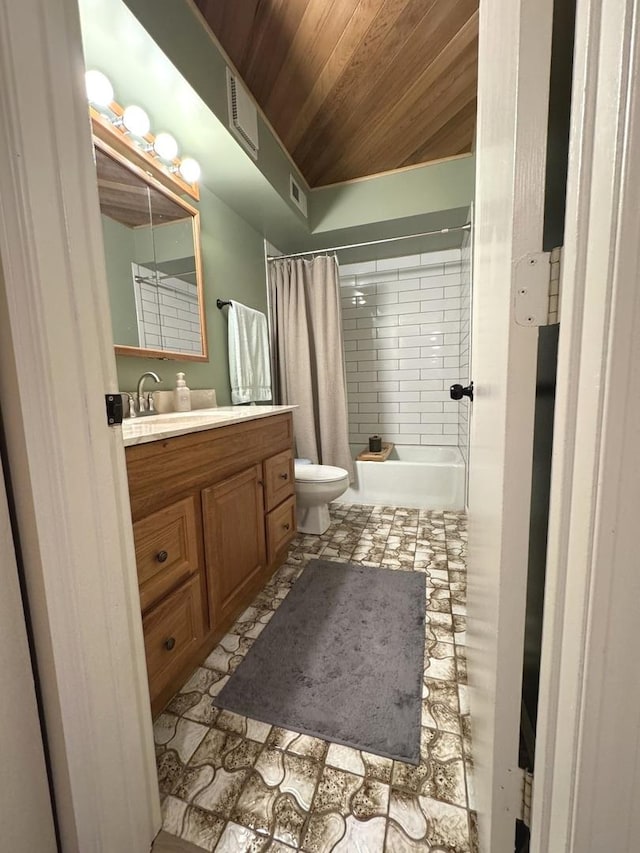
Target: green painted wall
point(233, 267)
point(176, 74)
point(438, 187)
point(173, 240)
point(119, 252)
point(180, 34)
point(393, 228)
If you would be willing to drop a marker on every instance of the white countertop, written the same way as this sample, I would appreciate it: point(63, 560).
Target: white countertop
point(156, 427)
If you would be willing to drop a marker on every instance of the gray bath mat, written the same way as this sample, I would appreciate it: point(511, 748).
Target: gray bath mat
point(342, 659)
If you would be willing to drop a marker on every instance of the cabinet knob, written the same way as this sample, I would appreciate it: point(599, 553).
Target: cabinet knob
point(161, 556)
point(286, 526)
point(284, 476)
point(170, 643)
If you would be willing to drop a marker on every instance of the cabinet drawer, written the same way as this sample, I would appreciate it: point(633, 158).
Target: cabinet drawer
point(166, 549)
point(279, 479)
point(172, 633)
point(281, 527)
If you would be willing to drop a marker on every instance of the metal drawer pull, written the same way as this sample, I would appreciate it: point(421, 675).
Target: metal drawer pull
point(284, 476)
point(170, 643)
point(161, 556)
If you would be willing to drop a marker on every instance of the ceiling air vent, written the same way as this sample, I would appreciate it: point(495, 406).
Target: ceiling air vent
point(243, 115)
point(297, 196)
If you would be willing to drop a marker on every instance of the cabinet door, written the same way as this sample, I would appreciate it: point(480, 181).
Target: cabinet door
point(234, 536)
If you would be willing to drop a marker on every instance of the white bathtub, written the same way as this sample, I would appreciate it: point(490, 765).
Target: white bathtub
point(429, 477)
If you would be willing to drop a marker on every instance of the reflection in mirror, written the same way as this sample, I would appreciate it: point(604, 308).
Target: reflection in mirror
point(152, 257)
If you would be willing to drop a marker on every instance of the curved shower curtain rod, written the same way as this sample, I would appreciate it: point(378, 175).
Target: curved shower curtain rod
point(453, 229)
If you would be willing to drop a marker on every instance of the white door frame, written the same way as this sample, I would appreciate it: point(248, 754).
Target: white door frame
point(587, 778)
point(511, 146)
point(67, 466)
point(26, 817)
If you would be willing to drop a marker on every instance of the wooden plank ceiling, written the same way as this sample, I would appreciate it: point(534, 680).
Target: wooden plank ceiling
point(129, 200)
point(357, 87)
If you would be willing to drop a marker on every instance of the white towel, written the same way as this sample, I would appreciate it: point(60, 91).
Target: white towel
point(249, 368)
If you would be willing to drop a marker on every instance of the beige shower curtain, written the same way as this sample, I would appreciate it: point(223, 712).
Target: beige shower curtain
point(309, 356)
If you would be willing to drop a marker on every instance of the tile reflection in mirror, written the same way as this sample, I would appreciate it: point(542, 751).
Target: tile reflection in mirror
point(152, 253)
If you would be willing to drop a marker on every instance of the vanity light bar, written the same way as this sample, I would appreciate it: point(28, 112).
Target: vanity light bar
point(127, 130)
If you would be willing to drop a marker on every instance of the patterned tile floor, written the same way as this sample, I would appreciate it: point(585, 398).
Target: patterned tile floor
point(232, 784)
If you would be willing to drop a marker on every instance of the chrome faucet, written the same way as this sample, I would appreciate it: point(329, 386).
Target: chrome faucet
point(144, 407)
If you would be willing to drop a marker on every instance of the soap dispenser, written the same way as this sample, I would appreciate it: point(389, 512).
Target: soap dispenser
point(181, 395)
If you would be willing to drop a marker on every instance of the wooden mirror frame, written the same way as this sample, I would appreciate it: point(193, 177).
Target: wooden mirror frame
point(136, 161)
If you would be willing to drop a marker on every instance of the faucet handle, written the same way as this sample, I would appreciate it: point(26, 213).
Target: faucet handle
point(132, 405)
point(151, 406)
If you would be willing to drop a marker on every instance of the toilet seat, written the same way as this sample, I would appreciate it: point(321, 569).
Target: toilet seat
point(319, 473)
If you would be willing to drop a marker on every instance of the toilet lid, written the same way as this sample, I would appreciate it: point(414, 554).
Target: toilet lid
point(319, 473)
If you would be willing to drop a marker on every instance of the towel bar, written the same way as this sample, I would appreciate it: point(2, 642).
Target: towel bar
point(222, 302)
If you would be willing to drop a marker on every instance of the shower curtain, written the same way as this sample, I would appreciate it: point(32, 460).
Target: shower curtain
point(309, 356)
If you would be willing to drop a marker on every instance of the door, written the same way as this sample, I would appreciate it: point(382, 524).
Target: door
point(26, 820)
point(234, 538)
point(67, 466)
point(513, 86)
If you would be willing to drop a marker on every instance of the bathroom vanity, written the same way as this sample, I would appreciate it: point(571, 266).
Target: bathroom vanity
point(213, 510)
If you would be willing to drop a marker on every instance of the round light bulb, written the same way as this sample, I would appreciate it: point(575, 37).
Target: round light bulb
point(190, 170)
point(165, 146)
point(99, 88)
point(136, 121)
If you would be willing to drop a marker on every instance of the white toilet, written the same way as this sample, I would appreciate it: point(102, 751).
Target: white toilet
point(316, 485)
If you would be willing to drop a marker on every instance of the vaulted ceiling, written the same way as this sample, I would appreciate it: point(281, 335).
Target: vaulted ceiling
point(357, 87)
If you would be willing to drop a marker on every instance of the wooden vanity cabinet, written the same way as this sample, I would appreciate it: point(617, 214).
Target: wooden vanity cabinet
point(213, 515)
point(279, 479)
point(166, 549)
point(234, 535)
point(280, 522)
point(173, 634)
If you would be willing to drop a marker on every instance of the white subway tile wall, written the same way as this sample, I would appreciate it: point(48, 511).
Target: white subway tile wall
point(403, 334)
point(465, 344)
point(168, 313)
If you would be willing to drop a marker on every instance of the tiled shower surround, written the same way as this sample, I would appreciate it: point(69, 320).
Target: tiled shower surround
point(233, 784)
point(402, 333)
point(167, 311)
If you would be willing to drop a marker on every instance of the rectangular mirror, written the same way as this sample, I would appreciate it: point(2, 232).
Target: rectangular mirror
point(152, 250)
